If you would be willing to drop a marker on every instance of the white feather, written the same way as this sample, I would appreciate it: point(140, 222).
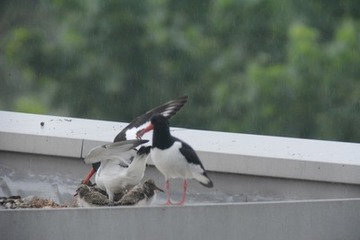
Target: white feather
point(174, 165)
point(114, 178)
point(117, 150)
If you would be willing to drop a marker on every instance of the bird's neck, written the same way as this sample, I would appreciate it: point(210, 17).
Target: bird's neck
point(162, 138)
point(137, 166)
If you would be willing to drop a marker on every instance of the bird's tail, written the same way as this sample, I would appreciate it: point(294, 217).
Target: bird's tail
point(204, 180)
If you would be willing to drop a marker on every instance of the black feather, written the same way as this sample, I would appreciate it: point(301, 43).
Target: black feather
point(169, 109)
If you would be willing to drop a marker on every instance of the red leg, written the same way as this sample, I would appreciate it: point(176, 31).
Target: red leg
point(87, 178)
point(183, 198)
point(167, 189)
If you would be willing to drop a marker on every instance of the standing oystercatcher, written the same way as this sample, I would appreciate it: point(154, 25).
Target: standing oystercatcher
point(173, 157)
point(113, 174)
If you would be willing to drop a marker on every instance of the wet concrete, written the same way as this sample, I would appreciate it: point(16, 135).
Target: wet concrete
point(57, 178)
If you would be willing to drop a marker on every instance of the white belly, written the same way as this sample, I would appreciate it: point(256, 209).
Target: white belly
point(171, 163)
point(114, 178)
point(111, 178)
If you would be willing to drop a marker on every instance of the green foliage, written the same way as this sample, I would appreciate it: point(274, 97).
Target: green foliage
point(311, 95)
point(286, 68)
point(29, 105)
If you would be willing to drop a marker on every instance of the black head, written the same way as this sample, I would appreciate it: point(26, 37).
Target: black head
point(161, 137)
point(159, 120)
point(160, 125)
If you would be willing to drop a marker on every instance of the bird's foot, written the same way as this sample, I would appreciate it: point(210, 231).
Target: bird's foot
point(168, 203)
point(181, 203)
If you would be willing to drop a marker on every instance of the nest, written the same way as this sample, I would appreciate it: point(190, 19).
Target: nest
point(16, 202)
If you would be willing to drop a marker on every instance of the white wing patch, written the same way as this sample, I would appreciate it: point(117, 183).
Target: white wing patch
point(131, 132)
point(168, 111)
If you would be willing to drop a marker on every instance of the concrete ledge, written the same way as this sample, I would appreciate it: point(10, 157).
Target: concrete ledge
point(220, 152)
point(41, 144)
point(290, 175)
point(334, 219)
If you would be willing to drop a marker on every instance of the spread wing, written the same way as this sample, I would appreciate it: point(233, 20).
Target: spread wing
point(117, 150)
point(168, 109)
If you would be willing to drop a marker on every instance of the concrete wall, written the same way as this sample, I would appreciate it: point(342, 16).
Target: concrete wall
point(41, 175)
point(311, 188)
point(271, 221)
point(219, 151)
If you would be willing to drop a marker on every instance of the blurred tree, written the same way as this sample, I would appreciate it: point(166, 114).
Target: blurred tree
point(258, 66)
point(311, 95)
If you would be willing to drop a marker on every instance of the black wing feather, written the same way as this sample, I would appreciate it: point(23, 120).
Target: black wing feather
point(189, 153)
point(168, 109)
point(191, 156)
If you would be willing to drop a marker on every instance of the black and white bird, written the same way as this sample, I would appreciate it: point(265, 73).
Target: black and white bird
point(140, 194)
point(173, 157)
point(117, 166)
